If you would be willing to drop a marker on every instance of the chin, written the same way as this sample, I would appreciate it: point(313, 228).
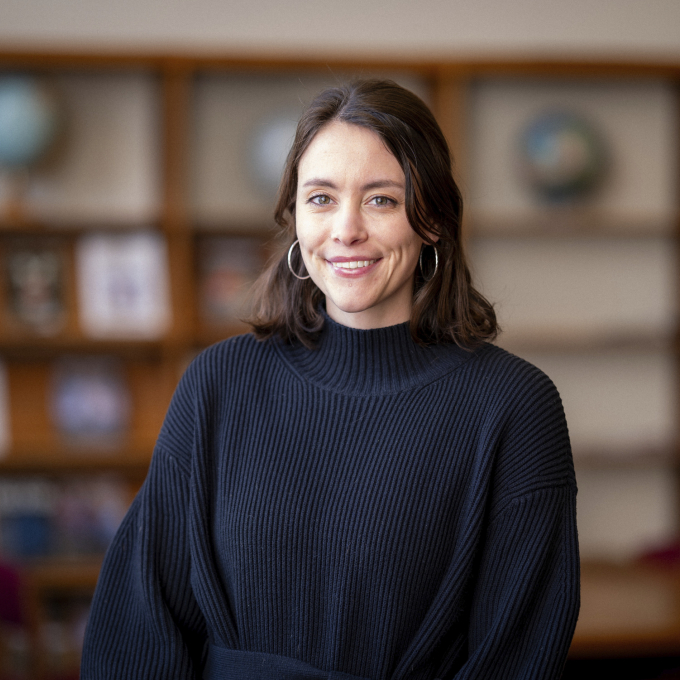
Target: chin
point(351, 306)
point(352, 309)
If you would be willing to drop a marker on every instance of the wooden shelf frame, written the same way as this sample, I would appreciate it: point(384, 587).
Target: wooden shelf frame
point(449, 84)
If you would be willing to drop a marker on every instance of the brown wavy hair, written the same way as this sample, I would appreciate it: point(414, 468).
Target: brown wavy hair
point(446, 307)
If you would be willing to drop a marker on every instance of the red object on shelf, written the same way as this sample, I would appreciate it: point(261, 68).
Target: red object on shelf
point(10, 595)
point(666, 556)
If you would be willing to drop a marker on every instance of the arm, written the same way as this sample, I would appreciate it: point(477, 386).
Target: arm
point(145, 622)
point(526, 597)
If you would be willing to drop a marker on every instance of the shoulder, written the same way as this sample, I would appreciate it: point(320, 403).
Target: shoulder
point(533, 450)
point(528, 394)
point(225, 355)
point(505, 366)
point(509, 379)
point(227, 362)
point(205, 382)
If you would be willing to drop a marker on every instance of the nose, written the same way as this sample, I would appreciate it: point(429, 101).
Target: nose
point(348, 225)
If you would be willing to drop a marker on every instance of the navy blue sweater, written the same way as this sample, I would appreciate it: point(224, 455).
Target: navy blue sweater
point(369, 509)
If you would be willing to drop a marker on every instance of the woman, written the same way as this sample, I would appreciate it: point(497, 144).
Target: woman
point(365, 487)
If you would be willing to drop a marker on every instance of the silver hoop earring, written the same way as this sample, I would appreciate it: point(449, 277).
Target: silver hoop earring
point(290, 264)
point(436, 263)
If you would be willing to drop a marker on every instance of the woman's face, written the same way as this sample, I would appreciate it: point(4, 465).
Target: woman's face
point(355, 238)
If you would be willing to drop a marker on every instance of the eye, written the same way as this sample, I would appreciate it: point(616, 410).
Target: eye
point(383, 201)
point(320, 199)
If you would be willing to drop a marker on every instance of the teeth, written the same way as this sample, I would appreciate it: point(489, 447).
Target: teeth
point(353, 265)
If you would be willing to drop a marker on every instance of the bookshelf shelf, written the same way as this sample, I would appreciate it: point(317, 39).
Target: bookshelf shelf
point(628, 612)
point(133, 457)
point(572, 224)
point(569, 341)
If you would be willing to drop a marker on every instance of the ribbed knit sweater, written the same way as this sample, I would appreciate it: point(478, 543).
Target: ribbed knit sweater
point(368, 509)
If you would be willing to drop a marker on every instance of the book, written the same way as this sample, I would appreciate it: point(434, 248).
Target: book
point(90, 401)
point(123, 285)
point(228, 266)
point(34, 285)
point(5, 427)
point(87, 513)
point(26, 509)
point(76, 515)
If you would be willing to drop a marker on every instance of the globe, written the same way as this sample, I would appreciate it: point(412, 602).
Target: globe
point(563, 156)
point(28, 121)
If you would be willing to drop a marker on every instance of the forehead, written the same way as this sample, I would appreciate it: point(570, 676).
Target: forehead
point(347, 148)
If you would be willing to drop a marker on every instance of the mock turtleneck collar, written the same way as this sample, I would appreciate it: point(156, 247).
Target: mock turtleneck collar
point(371, 362)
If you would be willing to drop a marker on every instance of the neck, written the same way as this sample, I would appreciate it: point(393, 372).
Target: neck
point(371, 361)
point(391, 312)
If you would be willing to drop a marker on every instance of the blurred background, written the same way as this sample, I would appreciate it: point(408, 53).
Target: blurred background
point(140, 148)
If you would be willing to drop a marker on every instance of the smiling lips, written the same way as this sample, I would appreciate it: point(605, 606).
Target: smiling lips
point(354, 264)
point(346, 267)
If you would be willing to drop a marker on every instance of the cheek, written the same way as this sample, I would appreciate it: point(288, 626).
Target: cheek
point(312, 236)
point(309, 241)
point(409, 244)
point(302, 232)
point(411, 255)
point(305, 225)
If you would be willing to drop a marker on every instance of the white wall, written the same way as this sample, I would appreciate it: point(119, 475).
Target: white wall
point(629, 29)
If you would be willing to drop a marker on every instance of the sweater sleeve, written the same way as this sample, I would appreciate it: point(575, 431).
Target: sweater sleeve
point(145, 622)
point(526, 596)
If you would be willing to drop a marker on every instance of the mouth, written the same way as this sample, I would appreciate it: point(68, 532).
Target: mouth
point(354, 264)
point(352, 268)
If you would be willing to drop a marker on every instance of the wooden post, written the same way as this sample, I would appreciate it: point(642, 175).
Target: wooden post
point(176, 96)
point(449, 103)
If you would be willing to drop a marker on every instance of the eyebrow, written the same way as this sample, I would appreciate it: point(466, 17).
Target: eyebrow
point(378, 184)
